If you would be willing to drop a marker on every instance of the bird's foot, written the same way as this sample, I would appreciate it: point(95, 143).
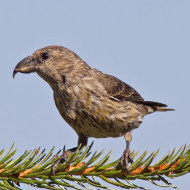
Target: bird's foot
point(61, 158)
point(126, 159)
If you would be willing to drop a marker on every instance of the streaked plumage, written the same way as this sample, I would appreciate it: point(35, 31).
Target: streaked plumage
point(93, 103)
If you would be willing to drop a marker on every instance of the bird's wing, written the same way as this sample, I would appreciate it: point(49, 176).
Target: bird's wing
point(118, 90)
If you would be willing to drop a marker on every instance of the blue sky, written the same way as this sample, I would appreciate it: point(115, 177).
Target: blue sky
point(144, 43)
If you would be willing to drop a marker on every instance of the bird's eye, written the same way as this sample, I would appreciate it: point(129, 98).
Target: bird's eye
point(45, 56)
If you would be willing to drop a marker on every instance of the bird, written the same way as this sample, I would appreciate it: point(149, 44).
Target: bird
point(93, 103)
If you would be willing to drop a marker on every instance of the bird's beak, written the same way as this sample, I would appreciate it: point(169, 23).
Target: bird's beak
point(27, 65)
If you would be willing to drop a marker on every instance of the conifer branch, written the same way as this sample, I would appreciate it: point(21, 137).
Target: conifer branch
point(85, 170)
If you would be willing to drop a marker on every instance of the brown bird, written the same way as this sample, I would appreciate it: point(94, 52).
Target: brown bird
point(93, 103)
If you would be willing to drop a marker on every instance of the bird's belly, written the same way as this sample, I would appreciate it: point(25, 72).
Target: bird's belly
point(93, 126)
point(98, 119)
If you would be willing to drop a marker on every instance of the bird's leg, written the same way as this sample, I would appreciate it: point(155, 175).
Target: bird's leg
point(127, 156)
point(82, 141)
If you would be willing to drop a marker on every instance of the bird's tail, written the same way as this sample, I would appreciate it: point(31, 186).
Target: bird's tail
point(156, 106)
point(164, 109)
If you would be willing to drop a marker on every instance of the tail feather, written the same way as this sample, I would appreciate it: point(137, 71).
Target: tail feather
point(156, 106)
point(163, 109)
point(150, 103)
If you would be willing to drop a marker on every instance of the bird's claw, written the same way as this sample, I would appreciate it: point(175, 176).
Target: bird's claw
point(126, 159)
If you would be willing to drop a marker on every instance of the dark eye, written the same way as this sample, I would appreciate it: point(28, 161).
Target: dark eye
point(45, 56)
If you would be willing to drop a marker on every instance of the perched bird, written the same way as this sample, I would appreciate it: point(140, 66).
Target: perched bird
point(93, 103)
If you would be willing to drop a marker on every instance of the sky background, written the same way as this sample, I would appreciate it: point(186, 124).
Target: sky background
point(144, 43)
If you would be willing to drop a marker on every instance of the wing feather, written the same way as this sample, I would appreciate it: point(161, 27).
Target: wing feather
point(118, 90)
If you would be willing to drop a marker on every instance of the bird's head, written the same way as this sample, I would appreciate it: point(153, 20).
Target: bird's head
point(51, 63)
